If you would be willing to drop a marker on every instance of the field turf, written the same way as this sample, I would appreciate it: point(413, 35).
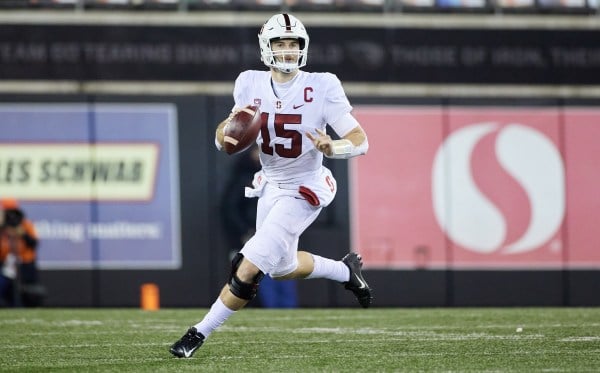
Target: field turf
point(305, 340)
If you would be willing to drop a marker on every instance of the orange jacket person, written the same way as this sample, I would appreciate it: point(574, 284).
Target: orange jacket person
point(18, 244)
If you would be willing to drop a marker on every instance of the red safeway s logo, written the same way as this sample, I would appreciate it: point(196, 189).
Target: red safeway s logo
point(477, 188)
point(522, 162)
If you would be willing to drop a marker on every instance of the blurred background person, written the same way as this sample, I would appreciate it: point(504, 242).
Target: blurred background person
point(239, 222)
point(19, 280)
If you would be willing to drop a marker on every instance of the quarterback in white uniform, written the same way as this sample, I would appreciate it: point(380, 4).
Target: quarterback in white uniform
point(293, 185)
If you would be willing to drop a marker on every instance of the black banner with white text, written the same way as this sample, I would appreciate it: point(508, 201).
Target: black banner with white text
point(398, 55)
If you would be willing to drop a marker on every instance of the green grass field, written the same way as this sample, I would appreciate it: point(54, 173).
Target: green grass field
point(305, 340)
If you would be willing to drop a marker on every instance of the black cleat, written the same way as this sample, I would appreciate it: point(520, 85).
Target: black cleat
point(357, 283)
point(188, 344)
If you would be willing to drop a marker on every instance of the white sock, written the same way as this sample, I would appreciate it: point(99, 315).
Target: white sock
point(215, 317)
point(330, 269)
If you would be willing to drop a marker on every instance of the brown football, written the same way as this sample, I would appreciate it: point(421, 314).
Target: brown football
point(242, 130)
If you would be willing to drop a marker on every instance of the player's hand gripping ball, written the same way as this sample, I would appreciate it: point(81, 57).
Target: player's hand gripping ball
point(242, 130)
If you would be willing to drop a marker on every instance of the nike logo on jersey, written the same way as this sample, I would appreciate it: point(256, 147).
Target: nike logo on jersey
point(297, 106)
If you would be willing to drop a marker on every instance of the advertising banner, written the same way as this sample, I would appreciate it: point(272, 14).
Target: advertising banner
point(513, 55)
point(472, 188)
point(99, 181)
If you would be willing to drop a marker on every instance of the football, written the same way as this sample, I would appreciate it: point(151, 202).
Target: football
point(242, 130)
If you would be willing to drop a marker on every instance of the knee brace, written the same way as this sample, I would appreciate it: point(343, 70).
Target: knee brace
point(240, 289)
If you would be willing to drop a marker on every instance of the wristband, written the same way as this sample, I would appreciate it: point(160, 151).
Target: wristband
point(344, 149)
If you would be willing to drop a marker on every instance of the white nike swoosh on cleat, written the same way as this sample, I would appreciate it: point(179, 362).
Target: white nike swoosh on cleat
point(362, 283)
point(189, 353)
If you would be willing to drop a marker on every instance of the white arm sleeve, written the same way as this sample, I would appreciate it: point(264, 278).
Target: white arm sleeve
point(344, 125)
point(343, 148)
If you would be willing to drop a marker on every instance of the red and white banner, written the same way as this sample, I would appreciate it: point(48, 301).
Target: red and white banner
point(475, 188)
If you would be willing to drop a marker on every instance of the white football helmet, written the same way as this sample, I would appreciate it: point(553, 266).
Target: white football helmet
point(283, 26)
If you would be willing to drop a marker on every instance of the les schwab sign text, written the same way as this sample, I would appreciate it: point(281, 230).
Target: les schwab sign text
point(68, 171)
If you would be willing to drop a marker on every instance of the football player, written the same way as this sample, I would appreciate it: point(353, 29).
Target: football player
point(293, 185)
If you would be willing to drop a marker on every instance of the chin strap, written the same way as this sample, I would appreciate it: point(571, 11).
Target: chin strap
point(344, 149)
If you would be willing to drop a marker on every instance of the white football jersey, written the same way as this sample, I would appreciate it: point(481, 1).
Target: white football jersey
point(312, 101)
